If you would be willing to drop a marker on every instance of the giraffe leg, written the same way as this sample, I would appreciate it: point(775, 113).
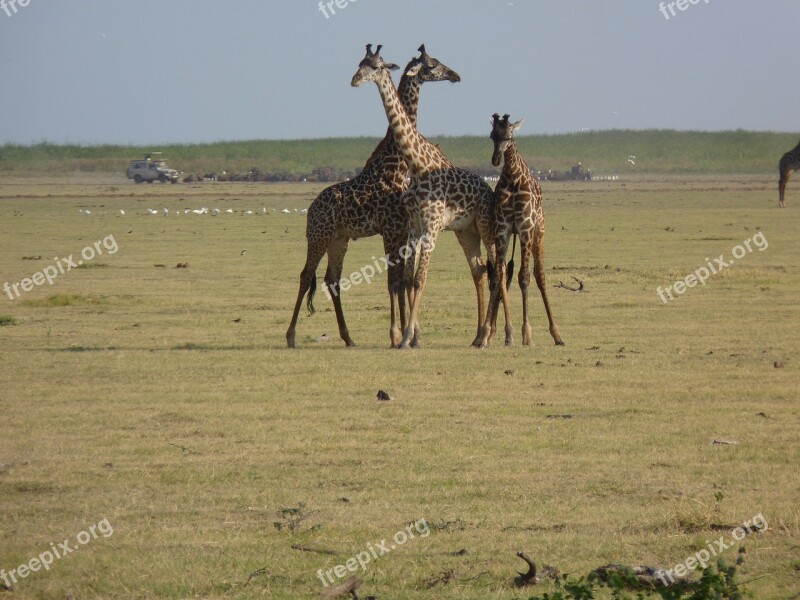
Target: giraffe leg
point(396, 294)
point(506, 308)
point(314, 255)
point(784, 179)
point(538, 273)
point(336, 251)
point(497, 285)
point(425, 251)
point(410, 257)
point(524, 284)
point(503, 288)
point(470, 242)
point(489, 327)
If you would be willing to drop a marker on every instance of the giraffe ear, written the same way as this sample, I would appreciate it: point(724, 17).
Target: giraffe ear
point(518, 125)
point(391, 66)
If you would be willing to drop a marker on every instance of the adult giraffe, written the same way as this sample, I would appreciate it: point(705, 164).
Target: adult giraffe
point(365, 206)
point(440, 196)
point(789, 162)
point(518, 210)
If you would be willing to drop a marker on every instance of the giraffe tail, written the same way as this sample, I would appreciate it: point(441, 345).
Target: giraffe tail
point(510, 266)
point(311, 291)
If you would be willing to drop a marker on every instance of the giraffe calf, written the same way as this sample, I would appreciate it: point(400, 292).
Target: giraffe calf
point(518, 211)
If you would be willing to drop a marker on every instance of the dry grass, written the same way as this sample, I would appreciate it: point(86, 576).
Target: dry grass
point(164, 399)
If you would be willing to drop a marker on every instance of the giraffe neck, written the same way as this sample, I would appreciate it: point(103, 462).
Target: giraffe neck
point(409, 90)
point(408, 140)
point(513, 165)
point(393, 174)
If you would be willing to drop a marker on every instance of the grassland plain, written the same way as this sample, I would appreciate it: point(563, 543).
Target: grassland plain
point(164, 400)
point(606, 152)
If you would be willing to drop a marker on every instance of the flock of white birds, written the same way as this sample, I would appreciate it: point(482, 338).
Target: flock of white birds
point(206, 211)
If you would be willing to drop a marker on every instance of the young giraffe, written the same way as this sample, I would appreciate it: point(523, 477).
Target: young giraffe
point(366, 206)
point(789, 162)
point(440, 196)
point(518, 210)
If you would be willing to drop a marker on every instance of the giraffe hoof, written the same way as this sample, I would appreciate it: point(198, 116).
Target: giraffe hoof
point(560, 343)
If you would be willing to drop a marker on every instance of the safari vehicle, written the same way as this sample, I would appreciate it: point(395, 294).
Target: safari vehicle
point(151, 168)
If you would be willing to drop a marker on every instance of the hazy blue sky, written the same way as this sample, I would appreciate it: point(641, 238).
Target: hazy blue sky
point(157, 71)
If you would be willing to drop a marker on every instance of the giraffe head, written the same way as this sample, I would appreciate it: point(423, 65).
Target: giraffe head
point(372, 67)
point(426, 68)
point(502, 135)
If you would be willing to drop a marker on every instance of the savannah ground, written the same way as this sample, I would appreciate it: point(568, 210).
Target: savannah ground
point(165, 400)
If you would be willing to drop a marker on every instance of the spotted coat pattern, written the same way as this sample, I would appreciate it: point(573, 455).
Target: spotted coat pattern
point(518, 211)
point(440, 197)
point(364, 206)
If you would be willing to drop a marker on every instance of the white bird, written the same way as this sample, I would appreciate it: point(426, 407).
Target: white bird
point(229, 211)
point(216, 211)
point(86, 212)
point(122, 212)
point(249, 212)
point(305, 210)
point(286, 211)
point(166, 212)
point(152, 211)
point(263, 210)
